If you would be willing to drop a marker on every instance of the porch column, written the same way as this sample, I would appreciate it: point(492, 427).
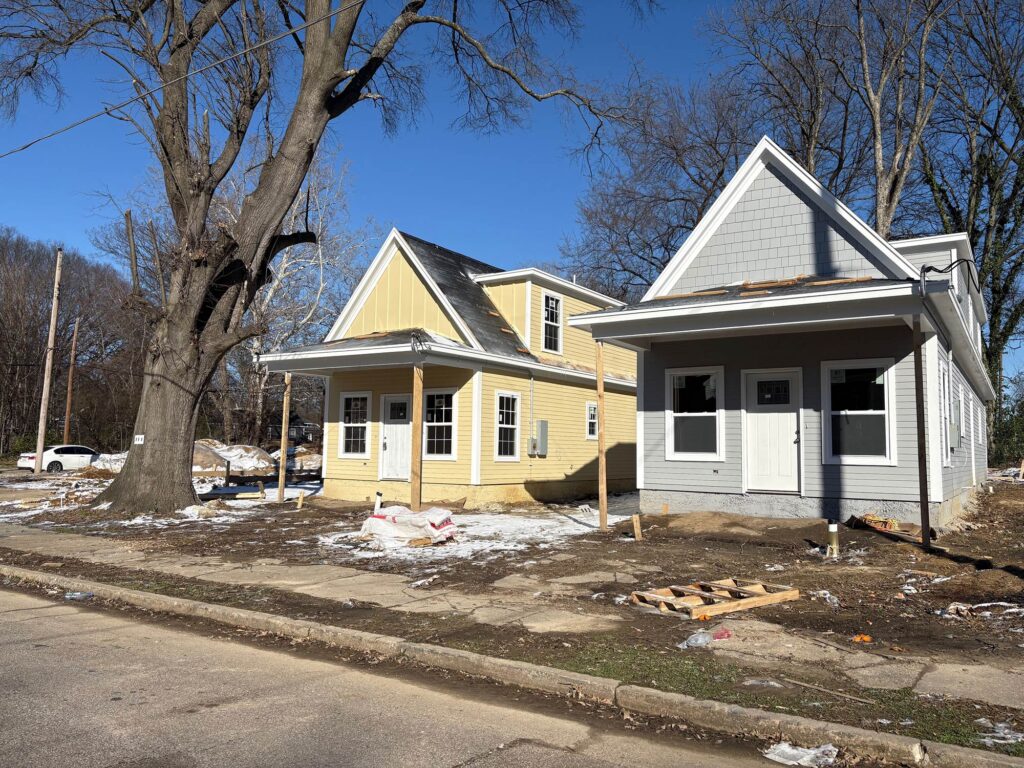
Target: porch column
point(416, 464)
point(602, 460)
point(922, 441)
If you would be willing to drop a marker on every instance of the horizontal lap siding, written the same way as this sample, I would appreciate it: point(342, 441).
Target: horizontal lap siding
point(806, 351)
point(571, 457)
point(578, 346)
point(958, 475)
point(398, 381)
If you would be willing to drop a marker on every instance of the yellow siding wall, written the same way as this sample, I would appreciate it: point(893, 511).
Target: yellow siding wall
point(571, 456)
point(510, 300)
point(400, 300)
point(398, 381)
point(578, 346)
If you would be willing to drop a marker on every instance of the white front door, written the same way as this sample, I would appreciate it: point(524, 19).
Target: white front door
point(395, 437)
point(772, 429)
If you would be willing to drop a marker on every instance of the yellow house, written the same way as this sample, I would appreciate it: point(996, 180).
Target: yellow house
point(447, 378)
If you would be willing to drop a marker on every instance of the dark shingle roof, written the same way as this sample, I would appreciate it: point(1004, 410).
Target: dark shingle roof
point(453, 272)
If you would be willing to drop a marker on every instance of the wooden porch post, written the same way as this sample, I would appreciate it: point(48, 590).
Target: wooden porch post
point(282, 463)
point(602, 460)
point(416, 465)
point(922, 442)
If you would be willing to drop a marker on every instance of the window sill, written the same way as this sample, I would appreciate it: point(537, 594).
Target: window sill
point(860, 461)
point(354, 456)
point(706, 457)
point(507, 459)
point(439, 458)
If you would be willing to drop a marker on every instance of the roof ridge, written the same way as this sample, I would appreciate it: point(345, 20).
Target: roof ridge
point(463, 257)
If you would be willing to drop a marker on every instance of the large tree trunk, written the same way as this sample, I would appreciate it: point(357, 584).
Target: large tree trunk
point(157, 476)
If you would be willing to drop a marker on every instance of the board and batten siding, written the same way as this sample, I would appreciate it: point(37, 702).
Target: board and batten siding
point(399, 301)
point(571, 456)
point(578, 346)
point(806, 351)
point(775, 232)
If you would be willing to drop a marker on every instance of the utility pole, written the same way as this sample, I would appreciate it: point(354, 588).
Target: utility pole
point(282, 463)
point(48, 367)
point(71, 380)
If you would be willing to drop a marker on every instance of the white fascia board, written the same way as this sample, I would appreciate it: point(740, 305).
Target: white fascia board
point(962, 243)
point(541, 277)
point(394, 243)
point(946, 309)
point(768, 151)
point(764, 302)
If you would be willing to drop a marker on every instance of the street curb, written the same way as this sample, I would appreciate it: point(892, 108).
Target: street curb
point(713, 715)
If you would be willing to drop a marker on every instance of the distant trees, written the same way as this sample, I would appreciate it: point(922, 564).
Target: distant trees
point(912, 111)
point(111, 345)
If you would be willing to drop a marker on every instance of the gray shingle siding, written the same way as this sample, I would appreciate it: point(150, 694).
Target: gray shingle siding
point(775, 232)
point(806, 351)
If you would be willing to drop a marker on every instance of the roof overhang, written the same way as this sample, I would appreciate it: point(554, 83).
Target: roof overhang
point(324, 362)
point(771, 314)
point(550, 281)
point(959, 245)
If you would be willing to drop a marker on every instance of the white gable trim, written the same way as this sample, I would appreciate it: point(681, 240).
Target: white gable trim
point(548, 280)
point(768, 152)
point(393, 244)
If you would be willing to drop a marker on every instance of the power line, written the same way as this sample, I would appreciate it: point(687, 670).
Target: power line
point(151, 91)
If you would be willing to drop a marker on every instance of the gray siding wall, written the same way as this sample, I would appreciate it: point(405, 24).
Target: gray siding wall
point(959, 475)
point(807, 351)
point(922, 257)
point(775, 232)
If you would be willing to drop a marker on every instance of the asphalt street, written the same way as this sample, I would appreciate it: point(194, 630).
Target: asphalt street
point(82, 687)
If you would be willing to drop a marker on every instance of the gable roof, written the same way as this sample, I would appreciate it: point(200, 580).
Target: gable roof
point(768, 152)
point(448, 276)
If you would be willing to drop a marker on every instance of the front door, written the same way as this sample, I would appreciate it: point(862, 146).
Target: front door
point(772, 448)
point(395, 438)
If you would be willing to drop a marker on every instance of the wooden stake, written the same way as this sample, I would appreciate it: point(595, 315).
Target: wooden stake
point(133, 256)
point(602, 459)
point(282, 463)
point(664, 508)
point(922, 444)
point(48, 365)
point(302, 498)
point(227, 473)
point(416, 464)
point(637, 533)
point(71, 379)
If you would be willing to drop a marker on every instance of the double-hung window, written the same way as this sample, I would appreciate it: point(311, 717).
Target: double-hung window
point(552, 326)
point(857, 412)
point(354, 440)
point(439, 425)
point(694, 414)
point(506, 445)
point(591, 421)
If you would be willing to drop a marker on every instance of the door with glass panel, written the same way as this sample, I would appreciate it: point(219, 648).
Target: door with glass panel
point(395, 449)
point(772, 431)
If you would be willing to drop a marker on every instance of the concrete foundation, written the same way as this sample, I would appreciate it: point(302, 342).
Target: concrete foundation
point(397, 492)
point(787, 505)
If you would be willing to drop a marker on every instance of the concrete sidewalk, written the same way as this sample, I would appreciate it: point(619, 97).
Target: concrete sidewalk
point(330, 582)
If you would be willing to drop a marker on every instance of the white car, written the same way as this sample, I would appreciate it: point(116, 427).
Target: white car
point(57, 458)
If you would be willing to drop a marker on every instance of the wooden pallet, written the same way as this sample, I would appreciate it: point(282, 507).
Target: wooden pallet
point(711, 598)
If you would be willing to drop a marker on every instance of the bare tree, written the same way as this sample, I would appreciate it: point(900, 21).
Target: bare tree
point(197, 123)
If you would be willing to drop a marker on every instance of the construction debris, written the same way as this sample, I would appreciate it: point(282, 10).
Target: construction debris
point(787, 754)
point(398, 526)
point(711, 598)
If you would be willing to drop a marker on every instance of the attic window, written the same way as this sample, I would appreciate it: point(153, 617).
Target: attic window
point(552, 323)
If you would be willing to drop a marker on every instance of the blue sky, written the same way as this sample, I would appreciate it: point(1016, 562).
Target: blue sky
point(508, 198)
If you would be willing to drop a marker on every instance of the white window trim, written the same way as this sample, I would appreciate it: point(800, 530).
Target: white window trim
point(454, 455)
point(889, 376)
point(586, 420)
point(719, 372)
point(544, 293)
point(341, 424)
point(945, 401)
point(979, 435)
point(963, 415)
point(497, 400)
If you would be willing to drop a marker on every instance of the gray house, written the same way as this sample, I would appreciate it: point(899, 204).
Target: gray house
point(777, 367)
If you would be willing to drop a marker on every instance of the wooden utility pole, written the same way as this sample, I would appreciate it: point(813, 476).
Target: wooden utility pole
point(48, 366)
point(282, 462)
point(71, 381)
point(602, 459)
point(416, 463)
point(922, 443)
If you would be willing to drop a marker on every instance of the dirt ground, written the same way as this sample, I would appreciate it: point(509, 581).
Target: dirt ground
point(890, 590)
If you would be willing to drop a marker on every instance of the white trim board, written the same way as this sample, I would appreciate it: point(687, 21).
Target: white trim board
point(395, 244)
point(768, 152)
